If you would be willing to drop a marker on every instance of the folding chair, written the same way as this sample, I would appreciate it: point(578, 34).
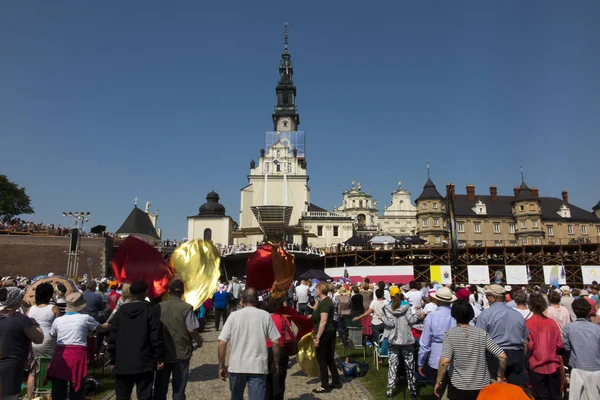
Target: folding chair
point(378, 353)
point(355, 341)
point(38, 382)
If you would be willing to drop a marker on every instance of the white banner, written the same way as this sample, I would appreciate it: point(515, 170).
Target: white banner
point(478, 274)
point(516, 274)
point(555, 273)
point(590, 273)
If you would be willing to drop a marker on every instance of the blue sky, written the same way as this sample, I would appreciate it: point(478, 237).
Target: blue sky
point(101, 102)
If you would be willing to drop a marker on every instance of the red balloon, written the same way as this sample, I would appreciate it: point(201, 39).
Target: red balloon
point(259, 269)
point(136, 260)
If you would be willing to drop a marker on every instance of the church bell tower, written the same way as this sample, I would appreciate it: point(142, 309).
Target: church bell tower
point(285, 114)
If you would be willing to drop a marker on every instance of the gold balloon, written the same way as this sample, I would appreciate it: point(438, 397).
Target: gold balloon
point(307, 356)
point(197, 263)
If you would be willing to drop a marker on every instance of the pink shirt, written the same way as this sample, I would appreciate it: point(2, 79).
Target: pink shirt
point(544, 341)
point(561, 315)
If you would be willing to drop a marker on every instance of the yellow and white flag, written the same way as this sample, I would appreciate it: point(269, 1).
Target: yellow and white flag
point(441, 274)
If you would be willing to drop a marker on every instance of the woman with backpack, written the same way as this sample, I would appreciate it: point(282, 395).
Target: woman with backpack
point(398, 320)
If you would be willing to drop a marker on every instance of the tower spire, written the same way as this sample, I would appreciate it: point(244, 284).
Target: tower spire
point(285, 38)
point(285, 114)
point(522, 177)
point(427, 169)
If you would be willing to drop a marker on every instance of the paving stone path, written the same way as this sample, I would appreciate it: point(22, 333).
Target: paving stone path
point(204, 383)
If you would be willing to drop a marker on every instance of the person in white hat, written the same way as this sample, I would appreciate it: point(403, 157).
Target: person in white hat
point(507, 328)
point(436, 323)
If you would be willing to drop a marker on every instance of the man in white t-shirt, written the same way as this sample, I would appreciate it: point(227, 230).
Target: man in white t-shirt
point(248, 330)
point(414, 296)
point(302, 296)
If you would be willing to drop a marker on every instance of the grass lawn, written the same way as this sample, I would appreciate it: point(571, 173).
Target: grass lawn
point(376, 381)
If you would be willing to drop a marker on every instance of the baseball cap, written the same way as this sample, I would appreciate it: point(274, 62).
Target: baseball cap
point(394, 290)
point(495, 290)
point(176, 286)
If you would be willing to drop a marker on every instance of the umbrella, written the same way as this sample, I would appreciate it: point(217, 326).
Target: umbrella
point(315, 274)
point(356, 241)
point(98, 229)
point(383, 240)
point(54, 280)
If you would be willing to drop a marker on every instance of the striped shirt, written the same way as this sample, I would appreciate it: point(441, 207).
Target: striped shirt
point(465, 347)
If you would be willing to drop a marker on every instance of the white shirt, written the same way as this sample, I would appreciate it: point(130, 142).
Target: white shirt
point(248, 330)
point(525, 313)
point(386, 295)
point(302, 293)
point(72, 329)
point(430, 307)
point(414, 297)
point(377, 307)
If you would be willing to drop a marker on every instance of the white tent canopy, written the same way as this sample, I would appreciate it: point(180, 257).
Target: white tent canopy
point(383, 240)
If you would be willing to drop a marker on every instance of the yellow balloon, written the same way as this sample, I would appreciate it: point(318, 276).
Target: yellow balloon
point(307, 356)
point(197, 263)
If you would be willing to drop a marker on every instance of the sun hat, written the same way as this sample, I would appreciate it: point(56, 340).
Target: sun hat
point(405, 288)
point(583, 293)
point(444, 294)
point(75, 302)
point(495, 290)
point(565, 288)
point(394, 290)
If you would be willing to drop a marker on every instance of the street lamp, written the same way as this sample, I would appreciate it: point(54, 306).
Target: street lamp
point(78, 220)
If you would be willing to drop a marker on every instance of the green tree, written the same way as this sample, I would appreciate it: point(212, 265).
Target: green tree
point(13, 199)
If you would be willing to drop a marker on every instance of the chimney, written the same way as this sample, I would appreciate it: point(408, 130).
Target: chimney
point(494, 193)
point(565, 196)
point(450, 190)
point(516, 190)
point(535, 192)
point(470, 192)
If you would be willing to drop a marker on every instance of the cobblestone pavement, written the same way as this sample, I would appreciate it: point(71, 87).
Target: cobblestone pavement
point(204, 383)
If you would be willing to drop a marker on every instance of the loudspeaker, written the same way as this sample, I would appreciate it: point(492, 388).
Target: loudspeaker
point(74, 239)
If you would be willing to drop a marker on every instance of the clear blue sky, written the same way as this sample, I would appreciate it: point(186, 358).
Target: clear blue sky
point(101, 102)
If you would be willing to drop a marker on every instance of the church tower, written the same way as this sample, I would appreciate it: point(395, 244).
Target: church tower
point(285, 114)
point(277, 194)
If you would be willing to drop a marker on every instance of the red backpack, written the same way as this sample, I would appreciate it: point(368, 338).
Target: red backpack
point(113, 298)
point(287, 336)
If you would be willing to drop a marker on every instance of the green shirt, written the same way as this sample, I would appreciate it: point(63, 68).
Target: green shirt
point(324, 306)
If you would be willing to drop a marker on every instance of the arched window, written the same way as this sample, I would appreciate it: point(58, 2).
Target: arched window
point(207, 234)
point(286, 99)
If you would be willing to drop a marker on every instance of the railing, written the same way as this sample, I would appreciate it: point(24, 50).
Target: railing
point(323, 214)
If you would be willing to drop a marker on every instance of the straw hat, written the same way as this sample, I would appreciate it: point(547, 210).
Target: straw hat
point(75, 302)
point(444, 294)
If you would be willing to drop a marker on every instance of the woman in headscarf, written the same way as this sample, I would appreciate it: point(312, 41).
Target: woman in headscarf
point(17, 331)
point(69, 362)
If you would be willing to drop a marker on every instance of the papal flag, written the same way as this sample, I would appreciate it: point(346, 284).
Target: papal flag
point(441, 274)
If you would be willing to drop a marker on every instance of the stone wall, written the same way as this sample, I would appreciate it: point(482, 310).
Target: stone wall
point(39, 255)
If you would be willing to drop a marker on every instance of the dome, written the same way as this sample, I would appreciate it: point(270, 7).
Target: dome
point(212, 206)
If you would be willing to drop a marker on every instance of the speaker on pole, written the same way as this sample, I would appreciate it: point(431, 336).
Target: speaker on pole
point(74, 240)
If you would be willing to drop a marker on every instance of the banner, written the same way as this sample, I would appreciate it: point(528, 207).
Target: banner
point(516, 275)
point(440, 274)
point(478, 274)
point(555, 275)
point(397, 274)
point(590, 273)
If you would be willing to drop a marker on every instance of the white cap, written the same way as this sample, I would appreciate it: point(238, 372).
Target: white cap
point(565, 288)
point(508, 288)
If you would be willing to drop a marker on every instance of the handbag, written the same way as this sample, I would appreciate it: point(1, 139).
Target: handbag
point(289, 339)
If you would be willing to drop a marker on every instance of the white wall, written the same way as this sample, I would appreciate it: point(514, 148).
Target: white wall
point(221, 227)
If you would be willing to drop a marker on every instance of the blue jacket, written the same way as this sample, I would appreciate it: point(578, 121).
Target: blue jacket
point(220, 299)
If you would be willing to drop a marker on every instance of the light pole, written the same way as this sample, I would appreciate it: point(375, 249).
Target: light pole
point(78, 220)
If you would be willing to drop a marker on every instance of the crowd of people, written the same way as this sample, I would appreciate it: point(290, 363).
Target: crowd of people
point(539, 340)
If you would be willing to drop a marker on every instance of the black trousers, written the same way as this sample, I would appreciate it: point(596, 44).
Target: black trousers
point(458, 394)
point(545, 386)
point(326, 360)
point(515, 366)
point(276, 383)
point(60, 390)
point(143, 385)
point(220, 312)
point(303, 308)
point(443, 386)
